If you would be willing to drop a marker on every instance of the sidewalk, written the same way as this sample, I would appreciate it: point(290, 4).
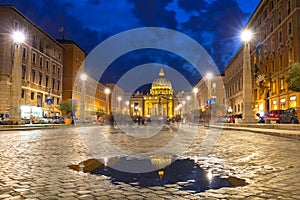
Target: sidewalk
point(282, 130)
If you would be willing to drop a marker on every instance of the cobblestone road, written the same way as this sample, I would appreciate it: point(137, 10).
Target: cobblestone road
point(34, 165)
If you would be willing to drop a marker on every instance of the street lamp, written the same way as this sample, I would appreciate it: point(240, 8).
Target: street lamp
point(107, 91)
point(16, 81)
point(83, 77)
point(188, 98)
point(119, 98)
point(247, 79)
point(195, 91)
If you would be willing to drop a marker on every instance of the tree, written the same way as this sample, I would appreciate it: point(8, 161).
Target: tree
point(293, 79)
point(67, 107)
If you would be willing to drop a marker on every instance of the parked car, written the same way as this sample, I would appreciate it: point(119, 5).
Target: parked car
point(59, 120)
point(4, 118)
point(289, 116)
point(273, 116)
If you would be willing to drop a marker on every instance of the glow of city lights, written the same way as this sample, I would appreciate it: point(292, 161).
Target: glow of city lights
point(107, 90)
point(119, 98)
point(83, 77)
point(188, 98)
point(19, 37)
point(195, 90)
point(246, 35)
point(209, 76)
point(127, 103)
point(209, 175)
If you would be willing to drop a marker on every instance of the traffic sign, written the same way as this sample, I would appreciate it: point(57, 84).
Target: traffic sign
point(213, 100)
point(207, 102)
point(49, 101)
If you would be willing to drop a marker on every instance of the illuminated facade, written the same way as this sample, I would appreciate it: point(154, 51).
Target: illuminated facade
point(274, 47)
point(30, 72)
point(159, 102)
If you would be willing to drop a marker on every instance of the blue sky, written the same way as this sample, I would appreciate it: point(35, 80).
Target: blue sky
point(214, 24)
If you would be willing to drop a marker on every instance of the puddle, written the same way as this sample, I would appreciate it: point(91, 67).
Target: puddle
point(185, 174)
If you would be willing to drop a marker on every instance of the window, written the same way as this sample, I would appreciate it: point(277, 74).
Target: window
point(289, 6)
point(279, 17)
point(289, 28)
point(16, 26)
point(59, 56)
point(34, 57)
point(33, 75)
point(76, 61)
point(290, 55)
point(47, 64)
point(23, 94)
point(41, 61)
point(23, 72)
point(24, 53)
point(57, 101)
point(58, 71)
point(47, 81)
point(32, 95)
point(274, 87)
point(58, 85)
point(53, 68)
point(54, 53)
point(53, 84)
point(271, 5)
point(271, 26)
point(273, 65)
point(280, 36)
point(280, 61)
point(40, 79)
point(281, 83)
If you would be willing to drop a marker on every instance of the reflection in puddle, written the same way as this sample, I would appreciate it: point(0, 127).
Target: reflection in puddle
point(184, 173)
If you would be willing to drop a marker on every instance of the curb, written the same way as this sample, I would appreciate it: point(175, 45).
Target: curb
point(291, 133)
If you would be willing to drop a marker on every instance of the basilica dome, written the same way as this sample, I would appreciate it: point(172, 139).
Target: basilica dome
point(161, 85)
point(161, 82)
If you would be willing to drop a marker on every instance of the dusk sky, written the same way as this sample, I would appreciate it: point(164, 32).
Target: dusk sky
point(214, 24)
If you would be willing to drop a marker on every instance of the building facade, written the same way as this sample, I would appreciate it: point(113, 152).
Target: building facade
point(211, 91)
point(31, 71)
point(274, 47)
point(160, 101)
point(87, 93)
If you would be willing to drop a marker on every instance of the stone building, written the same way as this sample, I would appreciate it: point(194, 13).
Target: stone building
point(274, 47)
point(160, 101)
point(211, 92)
point(85, 91)
point(30, 71)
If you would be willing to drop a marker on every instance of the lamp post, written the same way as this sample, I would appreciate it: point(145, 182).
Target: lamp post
point(188, 98)
point(107, 91)
point(16, 81)
point(119, 98)
point(209, 76)
point(195, 91)
point(247, 79)
point(83, 77)
point(127, 107)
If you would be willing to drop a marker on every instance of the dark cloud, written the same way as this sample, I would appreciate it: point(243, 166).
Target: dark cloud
point(192, 5)
point(93, 2)
point(213, 24)
point(215, 27)
point(154, 13)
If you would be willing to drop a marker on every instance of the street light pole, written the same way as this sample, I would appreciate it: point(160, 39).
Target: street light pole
point(195, 90)
point(107, 91)
point(16, 81)
point(209, 76)
point(83, 77)
point(247, 79)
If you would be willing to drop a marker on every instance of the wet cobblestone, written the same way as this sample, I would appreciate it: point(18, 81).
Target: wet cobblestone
point(34, 166)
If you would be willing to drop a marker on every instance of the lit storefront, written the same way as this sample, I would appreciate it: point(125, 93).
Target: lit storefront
point(293, 101)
